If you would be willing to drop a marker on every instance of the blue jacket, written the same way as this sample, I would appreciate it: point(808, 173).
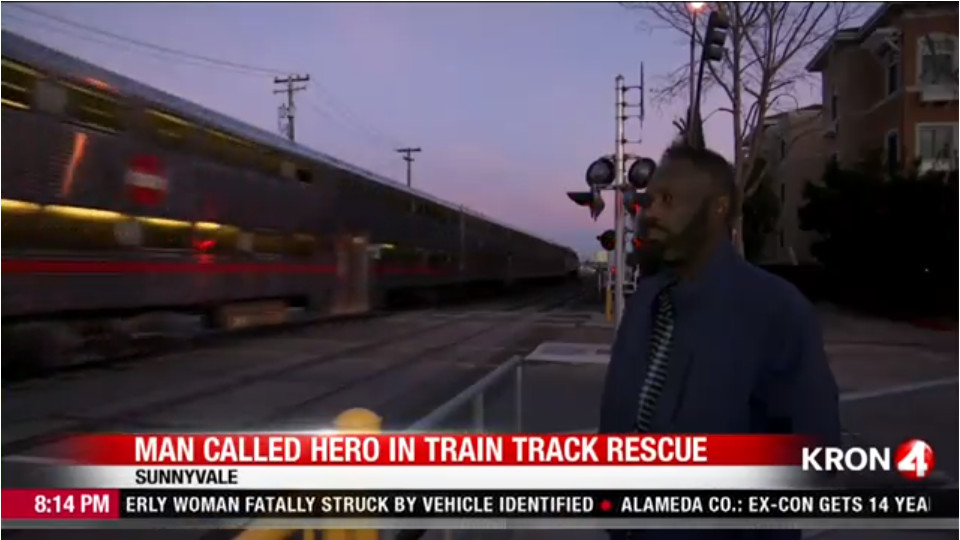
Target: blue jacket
point(747, 357)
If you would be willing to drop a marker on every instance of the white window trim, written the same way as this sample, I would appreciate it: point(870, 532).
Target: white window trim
point(919, 57)
point(944, 164)
point(893, 58)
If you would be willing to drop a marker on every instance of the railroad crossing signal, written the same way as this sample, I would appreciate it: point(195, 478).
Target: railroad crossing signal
point(640, 172)
point(591, 199)
point(601, 173)
point(608, 239)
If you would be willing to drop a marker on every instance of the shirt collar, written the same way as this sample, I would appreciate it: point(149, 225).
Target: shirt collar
point(711, 273)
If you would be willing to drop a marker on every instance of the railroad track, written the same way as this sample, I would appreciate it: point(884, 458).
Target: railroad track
point(212, 337)
point(378, 370)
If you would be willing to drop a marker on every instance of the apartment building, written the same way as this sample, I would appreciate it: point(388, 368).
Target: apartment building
point(795, 151)
point(890, 87)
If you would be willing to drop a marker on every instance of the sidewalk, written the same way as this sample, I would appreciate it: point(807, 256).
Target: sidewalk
point(567, 534)
point(563, 380)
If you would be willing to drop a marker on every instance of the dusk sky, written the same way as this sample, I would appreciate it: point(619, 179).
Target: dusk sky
point(510, 102)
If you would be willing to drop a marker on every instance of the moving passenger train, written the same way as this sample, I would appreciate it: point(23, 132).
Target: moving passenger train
point(129, 212)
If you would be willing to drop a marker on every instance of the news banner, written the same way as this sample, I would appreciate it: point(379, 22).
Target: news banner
point(474, 481)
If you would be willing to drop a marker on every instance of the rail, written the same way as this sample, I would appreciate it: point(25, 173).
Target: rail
point(473, 396)
point(361, 420)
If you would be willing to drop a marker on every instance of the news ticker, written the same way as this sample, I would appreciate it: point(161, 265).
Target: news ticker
point(166, 504)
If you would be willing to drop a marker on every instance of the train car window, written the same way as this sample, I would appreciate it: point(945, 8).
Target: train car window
point(271, 162)
point(168, 129)
point(304, 176)
point(268, 242)
point(27, 225)
point(18, 83)
point(92, 108)
point(303, 245)
point(165, 234)
point(437, 260)
point(21, 224)
point(214, 238)
point(229, 149)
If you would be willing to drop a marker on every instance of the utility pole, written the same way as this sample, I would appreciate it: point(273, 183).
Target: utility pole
point(408, 157)
point(287, 110)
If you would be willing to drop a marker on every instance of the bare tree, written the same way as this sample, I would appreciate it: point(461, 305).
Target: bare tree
point(766, 47)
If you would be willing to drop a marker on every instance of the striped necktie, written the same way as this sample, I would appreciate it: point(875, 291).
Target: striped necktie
point(660, 339)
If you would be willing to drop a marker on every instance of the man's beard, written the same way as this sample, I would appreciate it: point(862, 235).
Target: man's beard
point(676, 249)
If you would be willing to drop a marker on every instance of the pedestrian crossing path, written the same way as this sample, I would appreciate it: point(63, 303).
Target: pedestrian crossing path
point(571, 353)
point(574, 319)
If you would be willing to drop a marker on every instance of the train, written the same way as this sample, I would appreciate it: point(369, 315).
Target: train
point(128, 212)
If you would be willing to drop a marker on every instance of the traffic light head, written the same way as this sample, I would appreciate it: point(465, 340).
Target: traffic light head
point(608, 240)
point(716, 35)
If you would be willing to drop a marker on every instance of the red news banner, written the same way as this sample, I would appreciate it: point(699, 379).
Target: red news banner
point(400, 450)
point(429, 476)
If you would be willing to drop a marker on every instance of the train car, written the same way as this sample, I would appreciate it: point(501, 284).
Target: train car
point(128, 212)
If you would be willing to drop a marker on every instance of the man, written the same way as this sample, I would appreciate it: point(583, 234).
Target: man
point(708, 342)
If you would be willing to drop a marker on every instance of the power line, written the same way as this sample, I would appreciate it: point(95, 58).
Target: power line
point(345, 116)
point(373, 136)
point(355, 118)
point(218, 61)
point(234, 67)
point(159, 55)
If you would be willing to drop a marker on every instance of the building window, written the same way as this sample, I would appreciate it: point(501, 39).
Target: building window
point(892, 152)
point(936, 146)
point(893, 74)
point(938, 60)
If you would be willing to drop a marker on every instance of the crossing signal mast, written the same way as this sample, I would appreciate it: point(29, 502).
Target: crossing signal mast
point(609, 173)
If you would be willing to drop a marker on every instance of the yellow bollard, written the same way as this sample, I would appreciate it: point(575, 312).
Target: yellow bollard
point(356, 421)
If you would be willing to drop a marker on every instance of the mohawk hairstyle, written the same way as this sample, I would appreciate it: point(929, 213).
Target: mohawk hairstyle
point(713, 165)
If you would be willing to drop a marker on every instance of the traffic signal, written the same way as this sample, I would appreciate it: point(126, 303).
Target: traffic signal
point(717, 27)
point(591, 199)
point(608, 239)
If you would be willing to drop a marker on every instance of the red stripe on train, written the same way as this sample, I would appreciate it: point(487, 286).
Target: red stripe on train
point(27, 266)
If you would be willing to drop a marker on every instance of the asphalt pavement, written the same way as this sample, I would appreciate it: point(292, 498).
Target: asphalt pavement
point(898, 382)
